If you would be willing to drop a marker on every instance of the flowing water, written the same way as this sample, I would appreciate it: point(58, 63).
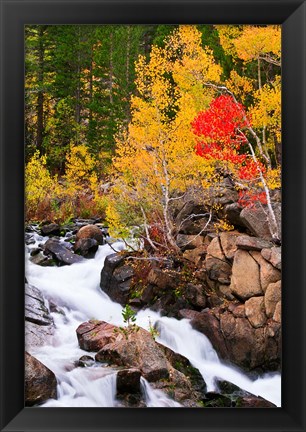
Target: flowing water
point(75, 289)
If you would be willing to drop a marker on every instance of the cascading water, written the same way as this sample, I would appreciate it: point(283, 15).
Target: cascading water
point(76, 290)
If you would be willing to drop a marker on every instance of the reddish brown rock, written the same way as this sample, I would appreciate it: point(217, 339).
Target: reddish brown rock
point(209, 325)
point(195, 295)
point(255, 311)
point(137, 350)
point(94, 335)
point(90, 231)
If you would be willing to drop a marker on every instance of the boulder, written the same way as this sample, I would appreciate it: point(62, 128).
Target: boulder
point(138, 350)
point(128, 381)
point(43, 260)
point(94, 335)
point(192, 217)
point(245, 282)
point(163, 279)
point(228, 244)
point(50, 229)
point(274, 256)
point(39, 325)
point(232, 214)
point(214, 249)
point(40, 382)
point(241, 398)
point(226, 292)
point(37, 335)
point(188, 313)
point(209, 325)
point(35, 308)
point(255, 219)
point(196, 255)
point(91, 232)
point(245, 344)
point(252, 401)
point(237, 309)
point(186, 242)
point(225, 193)
point(255, 311)
point(268, 273)
point(60, 252)
point(217, 267)
point(248, 243)
point(116, 278)
point(250, 347)
point(272, 297)
point(235, 339)
point(87, 247)
point(195, 295)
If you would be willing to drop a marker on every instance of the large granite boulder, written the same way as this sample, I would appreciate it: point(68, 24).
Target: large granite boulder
point(242, 334)
point(245, 281)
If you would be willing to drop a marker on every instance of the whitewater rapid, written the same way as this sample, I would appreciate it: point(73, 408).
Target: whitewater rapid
point(76, 290)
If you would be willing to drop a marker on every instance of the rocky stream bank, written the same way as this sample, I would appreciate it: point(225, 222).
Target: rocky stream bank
point(227, 285)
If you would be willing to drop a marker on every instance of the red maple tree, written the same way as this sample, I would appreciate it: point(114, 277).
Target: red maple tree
point(221, 136)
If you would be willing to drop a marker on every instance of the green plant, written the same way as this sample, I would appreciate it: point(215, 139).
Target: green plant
point(129, 318)
point(153, 331)
point(129, 315)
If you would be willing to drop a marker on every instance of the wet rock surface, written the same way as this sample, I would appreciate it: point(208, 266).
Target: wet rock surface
point(40, 382)
point(39, 325)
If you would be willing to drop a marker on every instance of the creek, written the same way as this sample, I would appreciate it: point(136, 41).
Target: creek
point(76, 290)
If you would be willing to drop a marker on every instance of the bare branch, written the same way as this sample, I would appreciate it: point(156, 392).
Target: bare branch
point(146, 229)
point(202, 230)
point(270, 60)
point(271, 219)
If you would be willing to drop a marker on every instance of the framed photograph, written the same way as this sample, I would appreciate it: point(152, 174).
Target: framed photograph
point(152, 215)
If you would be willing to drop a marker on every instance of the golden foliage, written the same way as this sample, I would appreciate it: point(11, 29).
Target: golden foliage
point(266, 110)
point(40, 186)
point(156, 156)
point(256, 41)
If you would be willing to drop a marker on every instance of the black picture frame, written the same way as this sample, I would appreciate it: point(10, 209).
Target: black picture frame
point(17, 13)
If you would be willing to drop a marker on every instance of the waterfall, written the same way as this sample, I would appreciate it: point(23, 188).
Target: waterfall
point(76, 290)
